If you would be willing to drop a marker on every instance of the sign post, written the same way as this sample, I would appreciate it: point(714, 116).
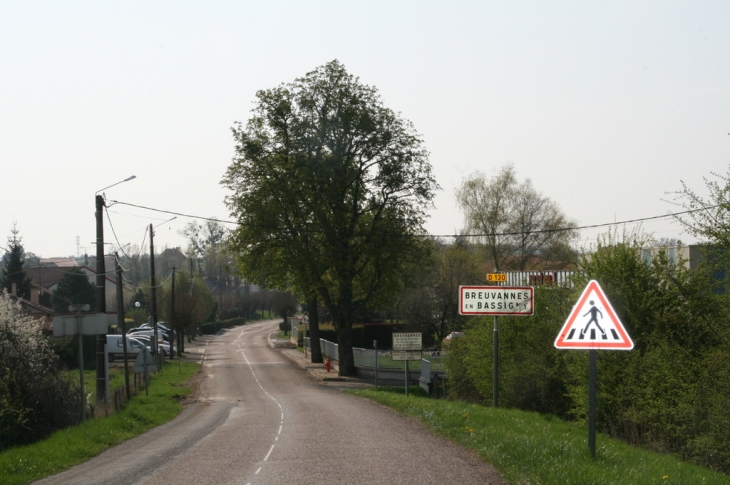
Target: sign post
point(78, 324)
point(496, 300)
point(407, 346)
point(593, 325)
point(145, 363)
point(375, 345)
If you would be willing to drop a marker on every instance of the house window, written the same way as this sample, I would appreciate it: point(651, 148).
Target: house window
point(671, 256)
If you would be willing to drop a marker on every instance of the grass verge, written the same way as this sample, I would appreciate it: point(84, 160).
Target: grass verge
point(529, 448)
point(69, 447)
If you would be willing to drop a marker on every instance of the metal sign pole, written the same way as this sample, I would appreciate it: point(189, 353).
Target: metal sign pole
point(144, 356)
point(81, 365)
point(592, 402)
point(375, 344)
point(406, 378)
point(495, 377)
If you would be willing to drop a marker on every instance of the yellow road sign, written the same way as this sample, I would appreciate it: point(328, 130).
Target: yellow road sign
point(496, 277)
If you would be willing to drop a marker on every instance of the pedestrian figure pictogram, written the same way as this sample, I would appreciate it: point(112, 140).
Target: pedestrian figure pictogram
point(593, 324)
point(594, 318)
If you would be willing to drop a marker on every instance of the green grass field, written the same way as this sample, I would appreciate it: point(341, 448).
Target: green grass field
point(69, 447)
point(529, 448)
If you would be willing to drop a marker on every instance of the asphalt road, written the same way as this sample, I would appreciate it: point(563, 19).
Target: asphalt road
point(260, 419)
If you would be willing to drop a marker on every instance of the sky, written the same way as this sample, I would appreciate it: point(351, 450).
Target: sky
point(606, 106)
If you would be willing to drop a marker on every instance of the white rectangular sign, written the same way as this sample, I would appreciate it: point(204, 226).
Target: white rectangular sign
point(496, 300)
point(91, 324)
point(406, 355)
point(407, 341)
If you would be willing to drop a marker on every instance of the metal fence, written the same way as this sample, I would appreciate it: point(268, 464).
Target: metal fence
point(431, 366)
point(562, 278)
point(366, 357)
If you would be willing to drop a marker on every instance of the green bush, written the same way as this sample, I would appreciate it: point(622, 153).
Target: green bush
point(671, 393)
point(35, 397)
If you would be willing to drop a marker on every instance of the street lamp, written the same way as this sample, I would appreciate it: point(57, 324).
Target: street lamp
point(112, 185)
point(101, 289)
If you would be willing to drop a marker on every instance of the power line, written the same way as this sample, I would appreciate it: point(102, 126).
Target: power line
point(542, 231)
point(121, 248)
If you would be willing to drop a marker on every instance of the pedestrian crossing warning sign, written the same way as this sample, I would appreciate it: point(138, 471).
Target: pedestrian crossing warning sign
point(593, 324)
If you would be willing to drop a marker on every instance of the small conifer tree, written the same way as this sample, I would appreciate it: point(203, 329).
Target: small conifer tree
point(14, 271)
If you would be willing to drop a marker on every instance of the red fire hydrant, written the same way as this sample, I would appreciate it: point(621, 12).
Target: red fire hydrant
point(328, 364)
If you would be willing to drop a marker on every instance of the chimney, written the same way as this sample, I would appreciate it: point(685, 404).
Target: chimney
point(14, 290)
point(35, 296)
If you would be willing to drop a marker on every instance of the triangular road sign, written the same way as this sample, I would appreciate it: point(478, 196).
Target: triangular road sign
point(593, 324)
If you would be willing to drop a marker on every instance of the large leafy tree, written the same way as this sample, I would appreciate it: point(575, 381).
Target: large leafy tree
point(520, 228)
point(14, 271)
point(73, 289)
point(330, 189)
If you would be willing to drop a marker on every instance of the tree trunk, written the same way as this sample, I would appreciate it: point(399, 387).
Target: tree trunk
point(314, 331)
point(344, 343)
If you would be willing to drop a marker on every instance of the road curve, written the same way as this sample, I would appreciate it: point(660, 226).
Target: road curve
point(260, 419)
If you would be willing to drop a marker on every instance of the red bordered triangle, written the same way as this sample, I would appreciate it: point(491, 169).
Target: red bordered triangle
point(593, 324)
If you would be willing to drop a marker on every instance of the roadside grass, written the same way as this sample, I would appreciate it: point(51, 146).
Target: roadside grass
point(530, 448)
point(69, 447)
point(116, 378)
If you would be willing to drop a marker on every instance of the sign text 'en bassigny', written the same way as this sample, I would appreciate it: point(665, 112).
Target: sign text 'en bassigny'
point(496, 300)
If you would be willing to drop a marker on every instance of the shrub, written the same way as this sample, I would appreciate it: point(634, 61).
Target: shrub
point(35, 398)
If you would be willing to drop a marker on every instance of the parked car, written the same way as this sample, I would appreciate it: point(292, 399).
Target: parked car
point(149, 332)
point(453, 335)
point(162, 326)
point(147, 340)
point(115, 349)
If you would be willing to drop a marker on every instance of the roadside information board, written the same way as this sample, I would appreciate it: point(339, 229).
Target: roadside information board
point(407, 341)
point(496, 300)
point(406, 355)
point(91, 324)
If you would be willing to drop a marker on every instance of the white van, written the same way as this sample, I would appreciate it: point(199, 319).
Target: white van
point(115, 348)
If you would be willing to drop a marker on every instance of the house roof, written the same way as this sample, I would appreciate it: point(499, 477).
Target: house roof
point(31, 307)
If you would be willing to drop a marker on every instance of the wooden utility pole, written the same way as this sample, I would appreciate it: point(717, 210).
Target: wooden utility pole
point(153, 287)
point(172, 315)
point(100, 300)
point(121, 323)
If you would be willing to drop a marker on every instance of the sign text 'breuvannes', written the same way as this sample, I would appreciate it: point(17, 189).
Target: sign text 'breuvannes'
point(496, 300)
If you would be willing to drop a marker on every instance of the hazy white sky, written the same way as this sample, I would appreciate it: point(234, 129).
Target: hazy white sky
point(606, 106)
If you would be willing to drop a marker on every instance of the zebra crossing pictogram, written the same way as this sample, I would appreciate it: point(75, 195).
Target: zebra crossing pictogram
point(593, 324)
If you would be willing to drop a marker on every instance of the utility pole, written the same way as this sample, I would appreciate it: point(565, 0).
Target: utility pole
point(101, 291)
point(100, 299)
point(154, 294)
point(172, 315)
point(220, 292)
point(120, 322)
